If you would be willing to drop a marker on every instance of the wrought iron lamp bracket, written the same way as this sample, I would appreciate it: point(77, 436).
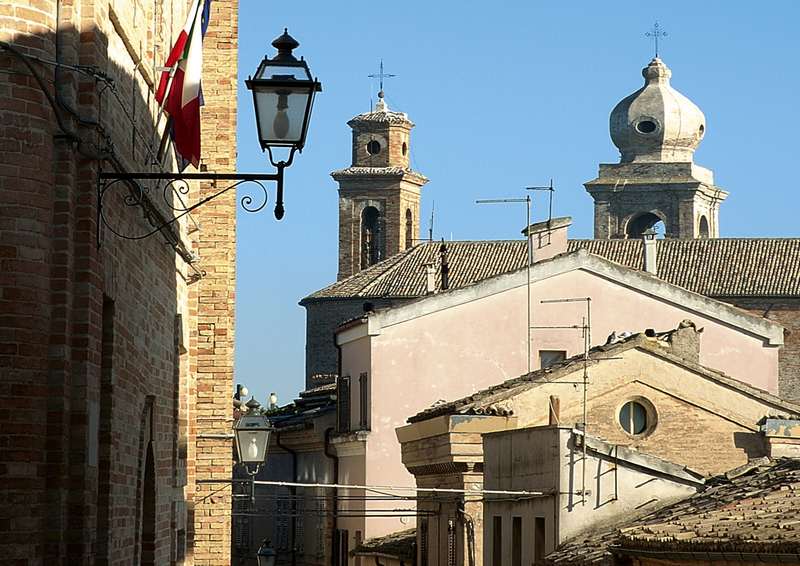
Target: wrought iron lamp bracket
point(175, 188)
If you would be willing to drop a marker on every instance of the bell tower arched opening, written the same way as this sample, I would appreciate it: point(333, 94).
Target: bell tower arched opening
point(372, 241)
point(409, 228)
point(703, 230)
point(638, 224)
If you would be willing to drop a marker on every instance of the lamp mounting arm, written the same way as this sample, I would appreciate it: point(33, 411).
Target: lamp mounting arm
point(176, 186)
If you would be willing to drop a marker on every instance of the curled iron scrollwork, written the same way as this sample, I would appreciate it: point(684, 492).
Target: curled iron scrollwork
point(173, 193)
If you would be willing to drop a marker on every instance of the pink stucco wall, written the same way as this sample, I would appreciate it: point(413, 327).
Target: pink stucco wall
point(458, 350)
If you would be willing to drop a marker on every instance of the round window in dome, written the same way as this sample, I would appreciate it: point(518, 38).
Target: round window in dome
point(374, 147)
point(702, 130)
point(646, 127)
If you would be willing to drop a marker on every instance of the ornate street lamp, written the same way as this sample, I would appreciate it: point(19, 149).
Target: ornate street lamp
point(252, 432)
point(283, 95)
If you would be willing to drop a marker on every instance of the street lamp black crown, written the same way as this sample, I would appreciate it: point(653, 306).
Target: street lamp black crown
point(285, 44)
point(283, 95)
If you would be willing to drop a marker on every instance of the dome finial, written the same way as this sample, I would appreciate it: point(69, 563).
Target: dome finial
point(380, 76)
point(655, 33)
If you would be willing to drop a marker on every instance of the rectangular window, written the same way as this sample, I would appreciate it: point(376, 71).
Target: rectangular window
point(343, 403)
point(423, 542)
point(363, 401)
point(549, 358)
point(538, 540)
point(497, 541)
point(516, 541)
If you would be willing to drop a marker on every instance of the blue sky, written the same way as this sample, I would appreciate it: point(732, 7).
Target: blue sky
point(504, 95)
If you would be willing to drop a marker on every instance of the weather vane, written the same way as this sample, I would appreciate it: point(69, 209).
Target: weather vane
point(655, 33)
point(381, 75)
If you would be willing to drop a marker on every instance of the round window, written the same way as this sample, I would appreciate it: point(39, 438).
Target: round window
point(646, 127)
point(633, 418)
point(702, 129)
point(374, 147)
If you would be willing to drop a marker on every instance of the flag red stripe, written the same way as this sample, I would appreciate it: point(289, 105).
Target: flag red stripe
point(175, 55)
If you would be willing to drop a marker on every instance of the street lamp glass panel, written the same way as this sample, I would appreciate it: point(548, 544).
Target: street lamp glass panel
point(252, 438)
point(283, 94)
point(281, 113)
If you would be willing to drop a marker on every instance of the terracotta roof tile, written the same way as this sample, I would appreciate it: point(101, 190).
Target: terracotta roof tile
point(756, 512)
point(724, 267)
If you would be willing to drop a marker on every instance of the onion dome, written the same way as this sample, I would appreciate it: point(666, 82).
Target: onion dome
point(656, 123)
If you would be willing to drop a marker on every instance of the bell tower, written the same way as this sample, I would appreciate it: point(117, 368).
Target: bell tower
point(657, 130)
point(379, 194)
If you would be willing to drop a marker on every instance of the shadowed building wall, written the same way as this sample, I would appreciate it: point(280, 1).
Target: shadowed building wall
point(97, 401)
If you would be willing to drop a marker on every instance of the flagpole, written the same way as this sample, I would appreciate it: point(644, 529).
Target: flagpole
point(162, 146)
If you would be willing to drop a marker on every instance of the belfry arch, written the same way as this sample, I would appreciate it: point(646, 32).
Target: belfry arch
point(639, 223)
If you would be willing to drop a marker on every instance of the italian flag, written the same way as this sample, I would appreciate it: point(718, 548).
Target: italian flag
point(179, 91)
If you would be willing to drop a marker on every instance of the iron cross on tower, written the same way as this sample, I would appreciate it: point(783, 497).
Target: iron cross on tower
point(380, 76)
point(655, 33)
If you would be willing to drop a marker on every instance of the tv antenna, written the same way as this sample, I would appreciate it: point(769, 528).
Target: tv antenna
point(527, 201)
point(586, 330)
point(430, 227)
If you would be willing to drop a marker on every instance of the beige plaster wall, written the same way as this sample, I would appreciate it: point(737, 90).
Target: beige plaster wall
point(546, 458)
point(706, 426)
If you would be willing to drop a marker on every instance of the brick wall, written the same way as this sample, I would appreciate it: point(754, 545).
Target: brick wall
point(96, 389)
point(785, 311)
point(214, 296)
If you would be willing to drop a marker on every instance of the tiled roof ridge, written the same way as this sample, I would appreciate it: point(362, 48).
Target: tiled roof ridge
point(410, 252)
point(717, 267)
point(385, 264)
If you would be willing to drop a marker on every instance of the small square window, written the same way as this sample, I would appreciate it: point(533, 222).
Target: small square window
point(549, 358)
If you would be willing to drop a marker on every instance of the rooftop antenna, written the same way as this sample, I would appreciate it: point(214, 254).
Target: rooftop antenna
point(586, 330)
point(380, 76)
point(430, 228)
point(550, 190)
point(527, 201)
point(655, 33)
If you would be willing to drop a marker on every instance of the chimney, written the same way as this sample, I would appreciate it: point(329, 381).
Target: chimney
point(685, 341)
point(782, 437)
point(445, 266)
point(650, 255)
point(430, 278)
point(548, 238)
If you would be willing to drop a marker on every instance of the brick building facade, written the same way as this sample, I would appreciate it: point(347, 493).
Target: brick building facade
point(116, 360)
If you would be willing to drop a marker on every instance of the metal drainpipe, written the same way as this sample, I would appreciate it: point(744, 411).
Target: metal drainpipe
point(335, 459)
point(293, 490)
